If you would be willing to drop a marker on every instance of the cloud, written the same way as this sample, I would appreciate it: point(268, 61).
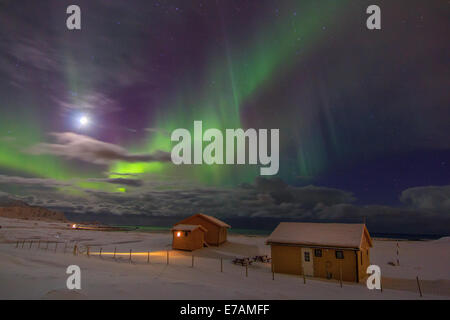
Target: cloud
point(308, 196)
point(261, 199)
point(429, 197)
point(75, 146)
point(42, 188)
point(32, 181)
point(4, 195)
point(97, 102)
point(122, 174)
point(121, 181)
point(266, 199)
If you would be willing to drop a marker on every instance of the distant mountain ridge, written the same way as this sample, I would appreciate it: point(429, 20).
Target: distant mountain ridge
point(12, 203)
point(21, 210)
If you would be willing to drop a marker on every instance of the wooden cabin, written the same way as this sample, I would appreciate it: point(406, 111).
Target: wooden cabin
point(216, 229)
point(188, 237)
point(323, 250)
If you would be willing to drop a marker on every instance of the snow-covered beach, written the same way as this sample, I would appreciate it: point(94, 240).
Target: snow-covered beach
point(29, 272)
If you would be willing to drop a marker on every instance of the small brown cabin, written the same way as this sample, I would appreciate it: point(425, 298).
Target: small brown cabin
point(323, 250)
point(188, 237)
point(216, 229)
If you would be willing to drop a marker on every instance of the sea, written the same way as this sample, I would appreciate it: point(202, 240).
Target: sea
point(265, 233)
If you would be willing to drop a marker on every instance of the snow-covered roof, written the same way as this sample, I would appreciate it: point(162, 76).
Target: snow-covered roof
point(187, 227)
point(319, 234)
point(215, 220)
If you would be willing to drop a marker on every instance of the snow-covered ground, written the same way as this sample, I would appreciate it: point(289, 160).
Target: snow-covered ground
point(40, 273)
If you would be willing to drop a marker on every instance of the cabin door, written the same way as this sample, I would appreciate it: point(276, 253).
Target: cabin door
point(307, 262)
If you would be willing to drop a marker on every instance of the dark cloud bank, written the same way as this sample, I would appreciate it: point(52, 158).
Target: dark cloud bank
point(261, 205)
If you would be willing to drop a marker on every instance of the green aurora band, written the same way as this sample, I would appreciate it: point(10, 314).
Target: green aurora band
point(240, 73)
point(243, 71)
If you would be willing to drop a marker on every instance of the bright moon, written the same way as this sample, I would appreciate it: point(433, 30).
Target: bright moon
point(84, 120)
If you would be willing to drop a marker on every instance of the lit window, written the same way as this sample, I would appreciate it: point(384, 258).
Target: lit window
point(178, 234)
point(339, 254)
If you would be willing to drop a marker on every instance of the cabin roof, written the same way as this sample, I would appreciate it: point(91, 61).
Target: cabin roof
point(187, 227)
point(340, 235)
point(211, 219)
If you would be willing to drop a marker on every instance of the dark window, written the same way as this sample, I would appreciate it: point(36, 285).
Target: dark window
point(318, 252)
point(339, 254)
point(306, 256)
point(186, 233)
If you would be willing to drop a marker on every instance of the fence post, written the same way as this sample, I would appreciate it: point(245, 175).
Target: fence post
point(304, 277)
point(31, 244)
point(114, 257)
point(17, 244)
point(273, 272)
point(167, 256)
point(398, 258)
point(101, 252)
point(23, 243)
point(246, 270)
point(418, 285)
point(88, 251)
point(56, 246)
point(148, 256)
point(130, 255)
point(75, 250)
point(221, 264)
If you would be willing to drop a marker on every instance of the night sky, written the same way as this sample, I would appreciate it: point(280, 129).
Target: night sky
point(363, 114)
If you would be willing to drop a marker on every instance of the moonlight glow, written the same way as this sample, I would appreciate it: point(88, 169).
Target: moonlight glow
point(84, 121)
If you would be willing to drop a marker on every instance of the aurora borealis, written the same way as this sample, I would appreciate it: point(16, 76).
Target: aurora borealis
point(363, 115)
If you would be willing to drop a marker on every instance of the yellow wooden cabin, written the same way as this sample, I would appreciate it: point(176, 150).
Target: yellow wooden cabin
point(323, 250)
point(188, 237)
point(216, 229)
